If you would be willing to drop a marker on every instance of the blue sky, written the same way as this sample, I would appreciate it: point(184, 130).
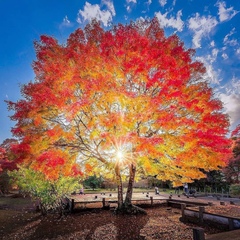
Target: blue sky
point(210, 27)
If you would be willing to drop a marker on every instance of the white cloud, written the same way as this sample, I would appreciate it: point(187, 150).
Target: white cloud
point(163, 2)
point(214, 54)
point(149, 2)
point(176, 23)
point(110, 6)
point(133, 1)
point(228, 93)
point(66, 22)
point(224, 56)
point(211, 75)
point(129, 4)
point(90, 12)
point(224, 13)
point(128, 9)
point(231, 98)
point(174, 2)
point(233, 42)
point(232, 106)
point(140, 20)
point(229, 34)
point(201, 27)
point(212, 44)
point(228, 41)
point(238, 51)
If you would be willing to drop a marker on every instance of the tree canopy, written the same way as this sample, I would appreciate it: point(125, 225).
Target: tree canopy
point(116, 99)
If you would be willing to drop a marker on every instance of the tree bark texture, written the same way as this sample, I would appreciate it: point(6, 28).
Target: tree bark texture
point(119, 186)
point(132, 172)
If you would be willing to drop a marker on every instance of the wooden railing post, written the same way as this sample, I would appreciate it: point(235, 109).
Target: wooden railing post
point(104, 202)
point(230, 224)
point(72, 206)
point(198, 234)
point(151, 198)
point(183, 207)
point(201, 211)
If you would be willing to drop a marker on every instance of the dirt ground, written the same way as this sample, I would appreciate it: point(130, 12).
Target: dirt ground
point(20, 221)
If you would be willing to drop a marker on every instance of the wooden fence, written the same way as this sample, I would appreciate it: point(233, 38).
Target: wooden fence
point(203, 217)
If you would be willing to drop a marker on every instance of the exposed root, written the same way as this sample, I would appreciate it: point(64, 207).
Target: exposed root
point(130, 209)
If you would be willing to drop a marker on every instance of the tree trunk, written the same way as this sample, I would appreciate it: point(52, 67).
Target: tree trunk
point(128, 199)
point(127, 207)
point(119, 186)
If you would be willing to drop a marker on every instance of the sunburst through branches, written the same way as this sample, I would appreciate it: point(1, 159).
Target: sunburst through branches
point(123, 154)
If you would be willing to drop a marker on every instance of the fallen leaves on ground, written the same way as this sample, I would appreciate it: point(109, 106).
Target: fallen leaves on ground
point(226, 210)
point(160, 223)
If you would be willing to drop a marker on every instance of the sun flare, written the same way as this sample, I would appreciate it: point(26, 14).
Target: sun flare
point(120, 155)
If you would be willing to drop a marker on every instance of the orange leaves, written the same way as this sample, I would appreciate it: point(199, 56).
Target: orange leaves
point(38, 120)
point(55, 133)
point(130, 84)
point(149, 145)
point(88, 168)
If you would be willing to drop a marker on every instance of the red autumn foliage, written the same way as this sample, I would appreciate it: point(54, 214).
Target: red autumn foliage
point(129, 85)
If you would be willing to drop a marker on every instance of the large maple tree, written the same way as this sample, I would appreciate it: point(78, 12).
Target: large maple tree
point(122, 101)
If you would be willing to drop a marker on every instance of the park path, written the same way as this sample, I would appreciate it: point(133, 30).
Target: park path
point(145, 196)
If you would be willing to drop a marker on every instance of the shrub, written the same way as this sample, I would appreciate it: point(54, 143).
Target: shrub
point(235, 190)
point(48, 193)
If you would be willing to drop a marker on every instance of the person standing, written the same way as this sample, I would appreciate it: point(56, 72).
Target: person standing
point(81, 191)
point(186, 188)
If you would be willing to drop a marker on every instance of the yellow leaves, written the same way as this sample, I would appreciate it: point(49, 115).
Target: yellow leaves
point(147, 165)
point(94, 134)
point(39, 145)
point(69, 135)
point(193, 173)
point(177, 183)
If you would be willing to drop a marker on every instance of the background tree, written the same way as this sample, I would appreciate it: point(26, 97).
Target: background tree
point(215, 181)
point(7, 163)
point(122, 101)
point(93, 182)
point(232, 171)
